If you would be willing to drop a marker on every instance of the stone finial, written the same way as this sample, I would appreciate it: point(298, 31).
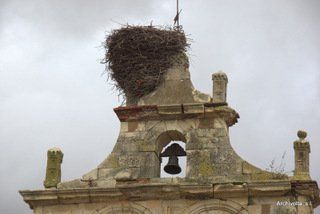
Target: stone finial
point(301, 156)
point(219, 89)
point(53, 171)
point(302, 135)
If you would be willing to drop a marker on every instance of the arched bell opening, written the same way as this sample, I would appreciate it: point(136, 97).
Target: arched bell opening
point(174, 165)
point(172, 154)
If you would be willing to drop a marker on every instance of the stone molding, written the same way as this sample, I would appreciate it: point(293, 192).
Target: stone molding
point(216, 206)
point(164, 191)
point(180, 111)
point(132, 208)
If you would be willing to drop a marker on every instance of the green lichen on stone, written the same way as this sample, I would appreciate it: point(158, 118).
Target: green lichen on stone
point(268, 176)
point(259, 174)
point(146, 146)
point(53, 172)
point(205, 168)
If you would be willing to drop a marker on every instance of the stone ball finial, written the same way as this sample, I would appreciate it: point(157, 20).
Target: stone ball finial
point(302, 134)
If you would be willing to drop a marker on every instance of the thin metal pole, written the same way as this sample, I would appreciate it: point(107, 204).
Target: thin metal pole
point(178, 13)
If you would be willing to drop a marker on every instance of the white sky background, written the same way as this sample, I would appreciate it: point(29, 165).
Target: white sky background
point(52, 93)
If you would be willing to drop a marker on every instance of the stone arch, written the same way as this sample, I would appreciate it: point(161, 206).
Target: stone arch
point(129, 208)
point(166, 137)
point(216, 206)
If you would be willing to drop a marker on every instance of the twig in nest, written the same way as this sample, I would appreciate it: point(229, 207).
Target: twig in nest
point(137, 57)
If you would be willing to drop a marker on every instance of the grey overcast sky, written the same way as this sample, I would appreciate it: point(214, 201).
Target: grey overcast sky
point(52, 93)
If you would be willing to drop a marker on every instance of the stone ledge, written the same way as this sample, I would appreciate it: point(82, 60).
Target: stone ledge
point(180, 111)
point(170, 109)
point(167, 191)
point(270, 188)
point(230, 190)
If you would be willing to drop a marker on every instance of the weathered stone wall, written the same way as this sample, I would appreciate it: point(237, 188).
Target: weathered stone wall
point(217, 180)
point(264, 205)
point(136, 153)
point(210, 156)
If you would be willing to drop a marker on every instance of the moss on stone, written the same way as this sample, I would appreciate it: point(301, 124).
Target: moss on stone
point(259, 174)
point(205, 168)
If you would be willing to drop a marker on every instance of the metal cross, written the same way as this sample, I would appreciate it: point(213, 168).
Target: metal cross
point(176, 18)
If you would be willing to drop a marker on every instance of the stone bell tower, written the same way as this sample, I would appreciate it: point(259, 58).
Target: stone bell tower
point(217, 179)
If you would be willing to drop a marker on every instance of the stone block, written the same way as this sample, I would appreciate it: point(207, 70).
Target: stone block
point(254, 209)
point(206, 123)
point(193, 108)
point(210, 133)
point(268, 188)
point(194, 142)
point(132, 126)
point(152, 171)
point(170, 109)
point(130, 160)
point(203, 132)
point(223, 155)
point(150, 165)
point(230, 190)
point(148, 192)
point(199, 164)
point(127, 174)
point(196, 191)
point(149, 159)
point(225, 169)
point(147, 146)
point(127, 144)
point(220, 132)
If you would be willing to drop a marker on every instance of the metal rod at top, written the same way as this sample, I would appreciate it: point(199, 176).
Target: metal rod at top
point(178, 13)
point(176, 18)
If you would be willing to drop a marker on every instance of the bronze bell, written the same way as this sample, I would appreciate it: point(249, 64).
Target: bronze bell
point(173, 152)
point(173, 166)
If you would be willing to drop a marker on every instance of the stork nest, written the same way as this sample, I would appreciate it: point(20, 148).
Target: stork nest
point(137, 57)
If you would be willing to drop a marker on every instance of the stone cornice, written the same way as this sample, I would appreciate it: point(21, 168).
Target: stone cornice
point(178, 111)
point(166, 191)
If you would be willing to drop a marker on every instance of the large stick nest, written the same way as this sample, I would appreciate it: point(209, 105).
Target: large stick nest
point(137, 57)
